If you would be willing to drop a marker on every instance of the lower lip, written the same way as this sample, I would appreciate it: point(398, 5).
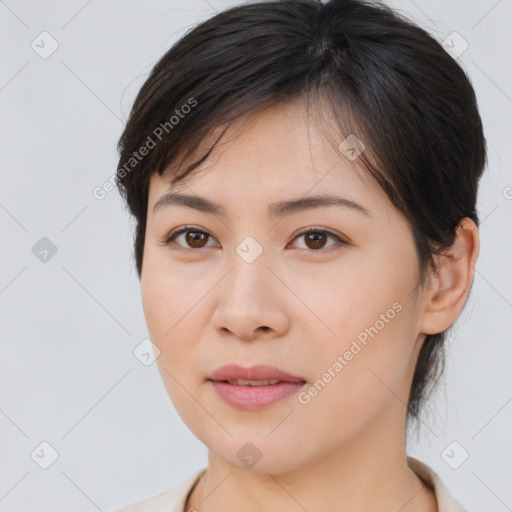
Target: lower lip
point(255, 397)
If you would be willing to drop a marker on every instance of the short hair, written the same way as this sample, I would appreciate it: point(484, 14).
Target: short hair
point(384, 79)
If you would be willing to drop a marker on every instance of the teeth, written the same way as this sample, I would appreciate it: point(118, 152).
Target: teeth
point(243, 382)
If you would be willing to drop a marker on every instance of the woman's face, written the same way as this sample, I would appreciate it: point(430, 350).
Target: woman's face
point(252, 288)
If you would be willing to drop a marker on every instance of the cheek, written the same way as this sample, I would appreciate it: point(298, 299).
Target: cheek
point(346, 300)
point(372, 320)
point(167, 300)
point(170, 323)
point(357, 382)
point(174, 318)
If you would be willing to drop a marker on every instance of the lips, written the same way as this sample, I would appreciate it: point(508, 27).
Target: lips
point(254, 388)
point(235, 372)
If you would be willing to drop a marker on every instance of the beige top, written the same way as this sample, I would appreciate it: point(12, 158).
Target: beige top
point(174, 499)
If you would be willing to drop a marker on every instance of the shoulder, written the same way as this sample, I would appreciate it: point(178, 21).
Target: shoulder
point(172, 500)
point(445, 501)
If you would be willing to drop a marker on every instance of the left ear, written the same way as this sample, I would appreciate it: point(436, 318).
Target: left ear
point(450, 288)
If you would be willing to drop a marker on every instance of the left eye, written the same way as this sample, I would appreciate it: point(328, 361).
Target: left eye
point(315, 238)
point(195, 239)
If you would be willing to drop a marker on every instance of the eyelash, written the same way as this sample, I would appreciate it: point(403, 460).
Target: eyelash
point(171, 237)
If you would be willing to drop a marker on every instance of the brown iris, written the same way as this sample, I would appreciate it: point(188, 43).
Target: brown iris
point(317, 238)
point(196, 237)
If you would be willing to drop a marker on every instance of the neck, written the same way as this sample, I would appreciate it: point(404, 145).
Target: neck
point(369, 472)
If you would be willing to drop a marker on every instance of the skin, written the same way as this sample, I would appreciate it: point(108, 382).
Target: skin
point(205, 306)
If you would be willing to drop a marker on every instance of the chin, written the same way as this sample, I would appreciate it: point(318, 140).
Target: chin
point(257, 453)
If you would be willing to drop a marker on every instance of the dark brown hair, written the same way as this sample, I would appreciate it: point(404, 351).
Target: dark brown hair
point(384, 79)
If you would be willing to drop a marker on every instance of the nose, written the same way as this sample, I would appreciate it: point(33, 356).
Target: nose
point(252, 302)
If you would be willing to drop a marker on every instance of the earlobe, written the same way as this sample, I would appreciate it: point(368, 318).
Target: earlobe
point(450, 288)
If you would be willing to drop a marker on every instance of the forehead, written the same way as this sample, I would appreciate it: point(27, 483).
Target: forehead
point(279, 151)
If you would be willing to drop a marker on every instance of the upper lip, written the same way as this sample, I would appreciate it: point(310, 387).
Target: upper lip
point(257, 372)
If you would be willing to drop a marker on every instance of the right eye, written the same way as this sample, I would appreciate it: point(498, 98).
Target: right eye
point(194, 238)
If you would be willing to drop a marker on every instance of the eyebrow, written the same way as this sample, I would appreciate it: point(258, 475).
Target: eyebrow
point(275, 210)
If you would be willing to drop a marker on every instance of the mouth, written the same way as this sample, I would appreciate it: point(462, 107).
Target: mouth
point(254, 383)
point(256, 387)
point(257, 375)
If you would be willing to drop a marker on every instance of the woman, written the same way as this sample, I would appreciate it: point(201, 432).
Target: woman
point(304, 181)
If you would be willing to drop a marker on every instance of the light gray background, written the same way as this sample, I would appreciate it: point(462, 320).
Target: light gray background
point(68, 375)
